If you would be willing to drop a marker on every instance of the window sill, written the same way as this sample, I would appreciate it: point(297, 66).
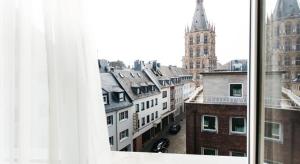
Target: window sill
point(123, 139)
point(273, 140)
point(123, 120)
point(238, 133)
point(210, 131)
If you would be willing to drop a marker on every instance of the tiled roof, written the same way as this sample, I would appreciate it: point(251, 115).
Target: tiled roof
point(199, 20)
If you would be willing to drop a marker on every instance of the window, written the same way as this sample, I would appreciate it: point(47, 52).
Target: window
point(152, 103)
point(148, 104)
point(191, 52)
point(209, 123)
point(237, 154)
point(198, 64)
point(156, 101)
point(278, 30)
point(105, 99)
point(138, 91)
point(298, 28)
point(205, 51)
point(123, 115)
point(205, 39)
point(273, 131)
point(121, 75)
point(191, 65)
point(298, 44)
point(152, 116)
point(209, 151)
point(111, 140)
point(110, 120)
point(148, 119)
point(287, 45)
point(143, 121)
point(287, 60)
point(238, 125)
point(123, 134)
point(272, 162)
point(198, 52)
point(236, 90)
point(288, 29)
point(191, 40)
point(156, 114)
point(165, 105)
point(297, 61)
point(143, 106)
point(198, 39)
point(137, 107)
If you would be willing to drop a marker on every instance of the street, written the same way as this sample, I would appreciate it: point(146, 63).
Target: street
point(178, 141)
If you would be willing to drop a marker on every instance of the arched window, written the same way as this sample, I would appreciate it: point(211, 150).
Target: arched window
point(198, 39)
point(191, 52)
point(191, 40)
point(287, 45)
point(298, 44)
point(198, 52)
point(288, 29)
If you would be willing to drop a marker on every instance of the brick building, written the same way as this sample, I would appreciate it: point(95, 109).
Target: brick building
point(216, 115)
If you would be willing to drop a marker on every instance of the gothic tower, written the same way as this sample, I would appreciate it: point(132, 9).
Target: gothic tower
point(283, 40)
point(200, 45)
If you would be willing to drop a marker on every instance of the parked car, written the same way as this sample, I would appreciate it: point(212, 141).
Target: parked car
point(160, 145)
point(174, 129)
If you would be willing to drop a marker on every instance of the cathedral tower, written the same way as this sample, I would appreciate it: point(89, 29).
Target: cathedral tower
point(200, 45)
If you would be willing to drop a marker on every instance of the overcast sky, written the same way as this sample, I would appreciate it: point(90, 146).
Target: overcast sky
point(154, 29)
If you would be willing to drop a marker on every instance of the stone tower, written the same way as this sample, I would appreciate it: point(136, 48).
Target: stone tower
point(283, 40)
point(200, 45)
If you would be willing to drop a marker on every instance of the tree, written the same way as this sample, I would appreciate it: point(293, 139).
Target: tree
point(117, 64)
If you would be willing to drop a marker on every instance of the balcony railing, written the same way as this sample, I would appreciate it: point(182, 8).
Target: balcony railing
point(224, 100)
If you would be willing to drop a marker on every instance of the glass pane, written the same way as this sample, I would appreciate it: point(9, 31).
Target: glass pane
point(281, 82)
point(238, 125)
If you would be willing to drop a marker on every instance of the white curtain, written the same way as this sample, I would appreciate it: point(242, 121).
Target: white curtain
point(50, 106)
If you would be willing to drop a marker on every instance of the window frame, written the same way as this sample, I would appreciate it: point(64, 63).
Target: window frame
point(280, 139)
point(123, 116)
point(231, 152)
point(111, 140)
point(209, 130)
point(242, 92)
point(122, 136)
point(203, 149)
point(105, 99)
point(108, 120)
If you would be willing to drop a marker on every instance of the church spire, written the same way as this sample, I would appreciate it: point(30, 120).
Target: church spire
point(286, 8)
point(199, 19)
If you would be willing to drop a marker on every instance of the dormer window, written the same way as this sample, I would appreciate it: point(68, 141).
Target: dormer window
point(121, 75)
point(132, 74)
point(105, 99)
point(121, 97)
point(138, 90)
point(138, 74)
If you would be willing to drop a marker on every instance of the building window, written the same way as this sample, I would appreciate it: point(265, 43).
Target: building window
point(110, 120)
point(152, 116)
point(164, 94)
point(205, 51)
point(137, 107)
point(191, 65)
point(156, 114)
point(198, 39)
point(209, 151)
point(237, 154)
point(198, 64)
point(297, 61)
point(123, 115)
point(111, 140)
point(143, 106)
point(278, 30)
point(191, 52)
point(236, 90)
point(165, 105)
point(124, 134)
point(238, 125)
point(287, 60)
point(272, 162)
point(152, 103)
point(156, 101)
point(143, 121)
point(209, 123)
point(147, 105)
point(198, 52)
point(277, 44)
point(191, 40)
point(205, 39)
point(288, 29)
point(273, 131)
point(148, 119)
point(298, 44)
point(105, 99)
point(298, 28)
point(138, 91)
point(287, 45)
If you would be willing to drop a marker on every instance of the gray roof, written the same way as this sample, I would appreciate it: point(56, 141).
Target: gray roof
point(286, 8)
point(199, 20)
point(110, 86)
point(139, 79)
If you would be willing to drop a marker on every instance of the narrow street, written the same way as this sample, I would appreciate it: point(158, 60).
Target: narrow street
point(178, 141)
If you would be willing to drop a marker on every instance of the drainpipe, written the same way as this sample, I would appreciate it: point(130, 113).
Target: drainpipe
point(117, 139)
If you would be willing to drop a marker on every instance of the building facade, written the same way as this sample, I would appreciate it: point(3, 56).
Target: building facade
point(200, 45)
point(216, 116)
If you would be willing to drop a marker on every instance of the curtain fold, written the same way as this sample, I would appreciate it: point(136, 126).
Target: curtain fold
point(50, 105)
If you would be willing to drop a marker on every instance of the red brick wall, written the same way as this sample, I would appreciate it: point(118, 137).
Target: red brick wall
point(223, 141)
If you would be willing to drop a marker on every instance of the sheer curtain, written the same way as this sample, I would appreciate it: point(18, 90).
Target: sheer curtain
point(50, 106)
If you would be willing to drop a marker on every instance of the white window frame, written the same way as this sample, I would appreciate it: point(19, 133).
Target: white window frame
point(121, 96)
point(280, 132)
point(236, 96)
point(209, 130)
point(105, 99)
point(203, 148)
point(107, 118)
point(142, 106)
point(230, 153)
point(235, 132)
point(123, 116)
point(124, 136)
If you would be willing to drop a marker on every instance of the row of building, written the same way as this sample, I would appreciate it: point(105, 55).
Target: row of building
point(143, 101)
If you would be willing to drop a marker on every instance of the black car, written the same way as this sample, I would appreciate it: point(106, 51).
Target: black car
point(174, 129)
point(160, 145)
